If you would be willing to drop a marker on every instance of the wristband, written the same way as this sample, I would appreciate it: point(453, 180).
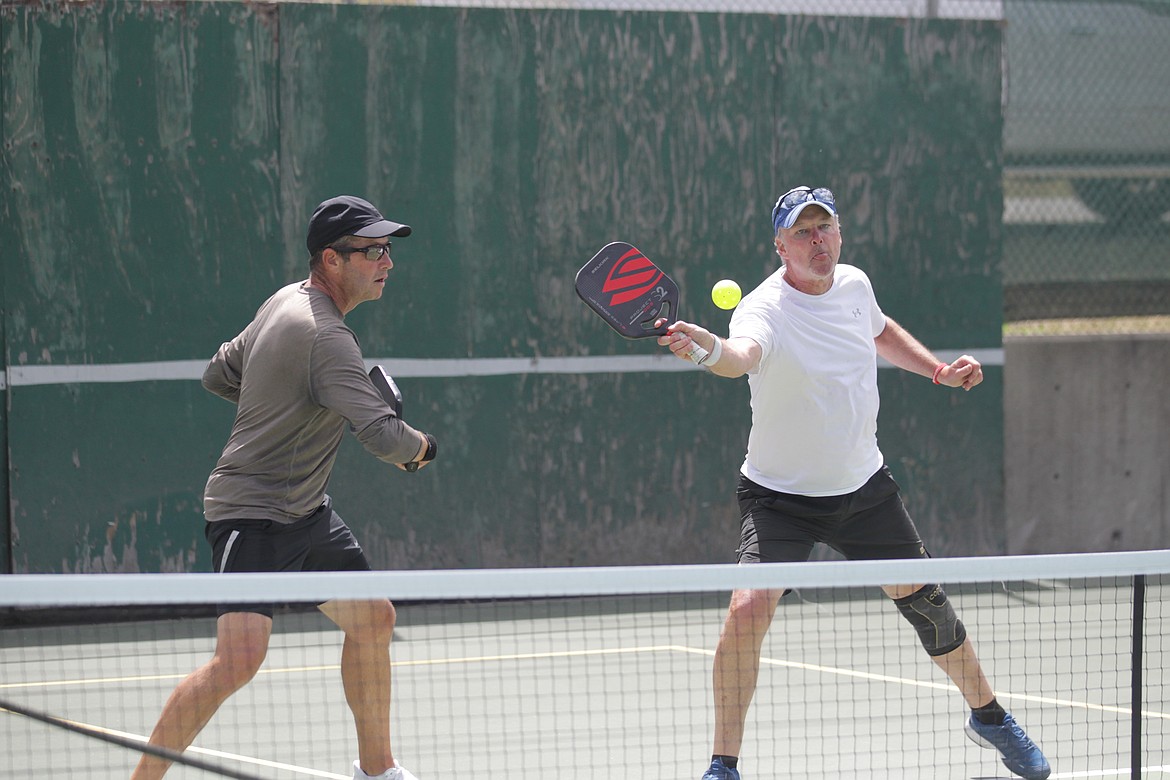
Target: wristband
point(432, 449)
point(938, 369)
point(716, 352)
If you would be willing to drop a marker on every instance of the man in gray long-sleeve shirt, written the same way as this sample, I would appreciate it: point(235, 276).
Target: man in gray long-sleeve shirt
point(297, 377)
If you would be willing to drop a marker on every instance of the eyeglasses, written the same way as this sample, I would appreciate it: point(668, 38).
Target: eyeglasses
point(798, 195)
point(372, 253)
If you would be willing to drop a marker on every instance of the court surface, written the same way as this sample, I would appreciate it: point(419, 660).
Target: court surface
point(587, 688)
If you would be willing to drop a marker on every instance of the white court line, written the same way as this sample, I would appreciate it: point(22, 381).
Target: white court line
point(833, 670)
point(838, 671)
point(205, 751)
point(302, 669)
point(1119, 772)
point(940, 686)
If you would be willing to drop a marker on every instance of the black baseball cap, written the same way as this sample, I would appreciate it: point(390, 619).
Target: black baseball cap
point(347, 215)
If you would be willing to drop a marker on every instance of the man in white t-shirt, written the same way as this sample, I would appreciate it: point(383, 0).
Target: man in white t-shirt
point(808, 338)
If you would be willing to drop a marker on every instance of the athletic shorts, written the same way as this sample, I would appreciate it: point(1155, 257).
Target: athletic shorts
point(319, 542)
point(871, 523)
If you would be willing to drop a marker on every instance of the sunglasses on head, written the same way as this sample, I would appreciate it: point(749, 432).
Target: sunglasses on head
point(798, 195)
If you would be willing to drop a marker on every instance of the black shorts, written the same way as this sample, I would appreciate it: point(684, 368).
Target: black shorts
point(319, 542)
point(871, 523)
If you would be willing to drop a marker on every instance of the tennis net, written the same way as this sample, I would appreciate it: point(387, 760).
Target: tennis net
point(580, 672)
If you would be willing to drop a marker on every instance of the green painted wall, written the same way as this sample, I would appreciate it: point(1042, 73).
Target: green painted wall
point(160, 163)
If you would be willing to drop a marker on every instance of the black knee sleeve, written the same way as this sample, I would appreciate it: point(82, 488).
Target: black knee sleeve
point(933, 617)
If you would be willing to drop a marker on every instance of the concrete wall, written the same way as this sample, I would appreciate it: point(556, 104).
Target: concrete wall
point(1087, 443)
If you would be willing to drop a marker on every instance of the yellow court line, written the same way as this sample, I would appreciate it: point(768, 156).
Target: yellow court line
point(90, 681)
point(549, 654)
point(336, 667)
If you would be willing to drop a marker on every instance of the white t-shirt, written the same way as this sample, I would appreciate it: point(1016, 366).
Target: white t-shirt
point(814, 392)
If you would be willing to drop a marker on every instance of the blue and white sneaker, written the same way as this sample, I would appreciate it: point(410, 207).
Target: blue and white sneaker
point(717, 771)
point(1020, 754)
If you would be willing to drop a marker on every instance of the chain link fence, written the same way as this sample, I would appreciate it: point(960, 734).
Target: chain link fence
point(1087, 161)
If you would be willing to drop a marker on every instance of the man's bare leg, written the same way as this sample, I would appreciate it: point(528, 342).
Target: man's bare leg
point(240, 647)
point(737, 663)
point(365, 675)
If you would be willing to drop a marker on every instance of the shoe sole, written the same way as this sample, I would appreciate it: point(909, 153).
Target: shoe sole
point(975, 737)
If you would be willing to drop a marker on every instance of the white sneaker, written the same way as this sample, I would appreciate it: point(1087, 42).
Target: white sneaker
point(395, 772)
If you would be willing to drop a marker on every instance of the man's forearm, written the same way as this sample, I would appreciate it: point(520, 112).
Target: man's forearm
point(900, 348)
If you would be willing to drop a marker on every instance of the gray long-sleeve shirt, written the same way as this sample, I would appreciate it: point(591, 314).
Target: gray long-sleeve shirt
point(298, 378)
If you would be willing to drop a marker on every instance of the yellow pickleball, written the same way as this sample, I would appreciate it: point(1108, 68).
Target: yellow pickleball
point(726, 294)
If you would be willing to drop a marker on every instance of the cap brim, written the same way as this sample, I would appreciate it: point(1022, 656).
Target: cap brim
point(795, 213)
point(384, 228)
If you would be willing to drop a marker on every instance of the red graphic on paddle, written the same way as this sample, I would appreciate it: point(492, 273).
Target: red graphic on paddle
point(633, 275)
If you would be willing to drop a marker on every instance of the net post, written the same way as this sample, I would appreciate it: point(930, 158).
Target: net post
point(1139, 597)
